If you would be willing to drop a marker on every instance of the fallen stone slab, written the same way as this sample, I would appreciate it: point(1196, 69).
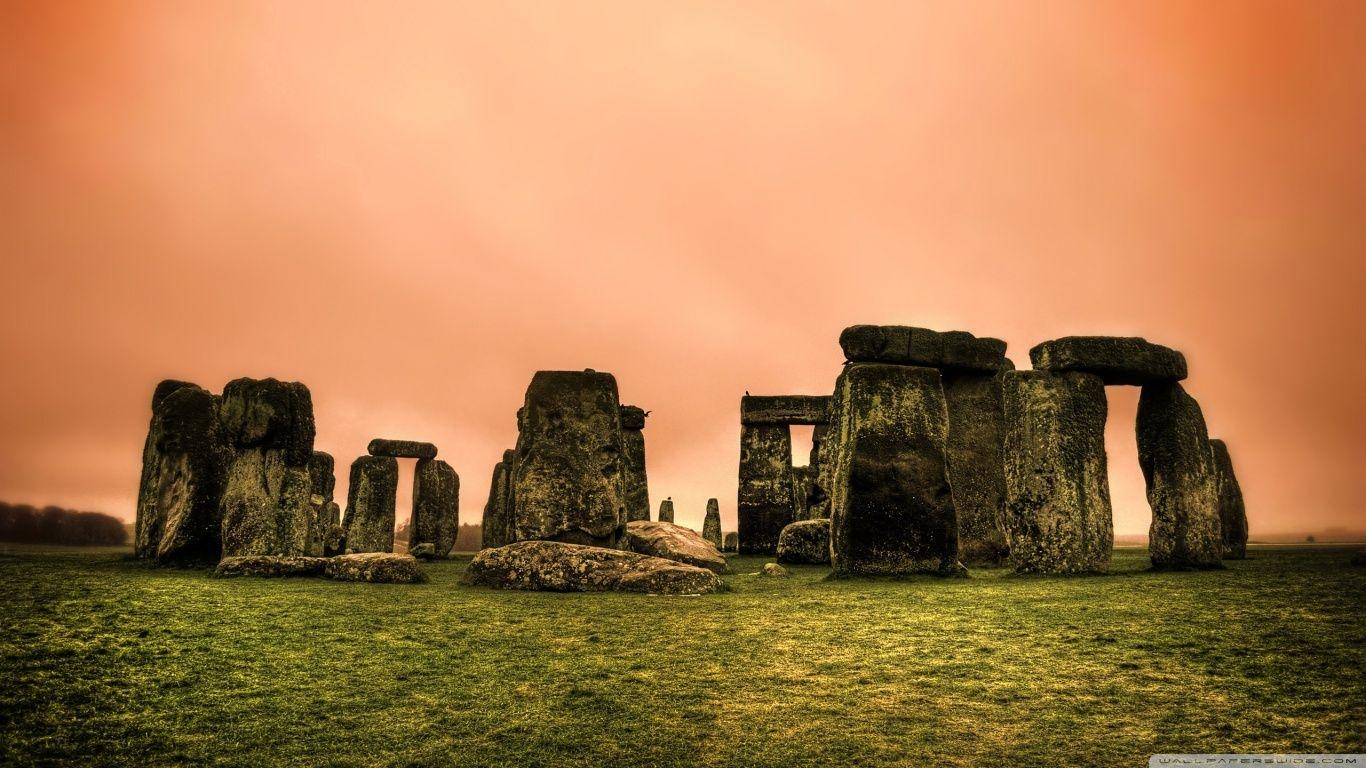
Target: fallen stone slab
point(1117, 360)
point(805, 542)
point(269, 566)
point(401, 449)
point(554, 566)
point(784, 409)
point(673, 542)
point(374, 567)
point(906, 345)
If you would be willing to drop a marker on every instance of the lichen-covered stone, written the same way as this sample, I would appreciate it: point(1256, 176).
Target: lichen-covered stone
point(805, 541)
point(1057, 511)
point(322, 476)
point(559, 567)
point(269, 566)
point(1178, 468)
point(784, 409)
point(730, 542)
point(499, 526)
point(903, 345)
point(148, 524)
point(803, 491)
point(891, 509)
point(666, 510)
point(816, 481)
point(1115, 359)
point(436, 509)
point(374, 567)
point(764, 503)
point(266, 506)
point(976, 466)
point(1232, 512)
point(401, 449)
point(188, 482)
point(634, 480)
point(773, 569)
point(268, 414)
point(334, 535)
point(711, 524)
point(568, 479)
point(672, 542)
point(370, 504)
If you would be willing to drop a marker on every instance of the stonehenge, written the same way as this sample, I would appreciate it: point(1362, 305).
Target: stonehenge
point(326, 537)
point(178, 520)
point(436, 509)
point(1116, 360)
point(711, 524)
point(499, 528)
point(1232, 513)
point(673, 542)
point(633, 467)
point(768, 494)
point(401, 449)
point(805, 541)
point(555, 566)
point(666, 510)
point(370, 504)
point(1182, 479)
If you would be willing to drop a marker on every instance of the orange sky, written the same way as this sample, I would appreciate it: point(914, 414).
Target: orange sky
point(412, 207)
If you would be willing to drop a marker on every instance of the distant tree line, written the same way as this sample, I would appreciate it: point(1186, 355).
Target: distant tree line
point(468, 539)
point(24, 524)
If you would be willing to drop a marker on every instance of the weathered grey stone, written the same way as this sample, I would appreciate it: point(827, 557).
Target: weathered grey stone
point(187, 483)
point(1115, 359)
point(334, 535)
point(711, 524)
point(731, 542)
point(903, 345)
point(270, 415)
point(374, 567)
point(666, 510)
point(815, 481)
point(567, 482)
point(634, 479)
point(499, 526)
point(1057, 511)
point(765, 502)
point(891, 509)
point(559, 567)
point(149, 521)
point(1178, 468)
point(370, 504)
point(673, 542)
point(269, 566)
point(805, 541)
point(401, 449)
point(976, 466)
point(773, 569)
point(1232, 512)
point(322, 475)
point(323, 480)
point(784, 409)
point(266, 505)
point(436, 509)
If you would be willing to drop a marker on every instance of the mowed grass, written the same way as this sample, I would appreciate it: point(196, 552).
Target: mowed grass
point(107, 661)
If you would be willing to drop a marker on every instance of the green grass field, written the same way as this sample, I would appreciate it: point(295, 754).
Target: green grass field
point(107, 661)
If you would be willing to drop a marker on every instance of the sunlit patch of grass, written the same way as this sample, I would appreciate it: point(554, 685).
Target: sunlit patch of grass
point(109, 661)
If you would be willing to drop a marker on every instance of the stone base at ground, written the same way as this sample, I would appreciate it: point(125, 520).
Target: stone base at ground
point(673, 542)
point(731, 542)
point(269, 566)
point(558, 567)
point(805, 541)
point(772, 569)
point(376, 567)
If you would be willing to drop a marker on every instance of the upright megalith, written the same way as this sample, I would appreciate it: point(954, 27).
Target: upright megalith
point(1057, 504)
point(266, 506)
point(976, 464)
point(804, 493)
point(370, 504)
point(764, 504)
point(499, 526)
point(890, 502)
point(633, 463)
point(567, 483)
point(325, 538)
point(666, 510)
point(436, 509)
point(192, 459)
point(148, 524)
point(1182, 480)
point(1115, 359)
point(1232, 513)
point(711, 524)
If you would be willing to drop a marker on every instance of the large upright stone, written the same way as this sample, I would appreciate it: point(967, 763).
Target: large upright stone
point(905, 345)
point(370, 504)
point(436, 509)
point(149, 522)
point(1232, 513)
point(1178, 467)
point(891, 507)
point(666, 510)
point(803, 490)
point(499, 526)
point(267, 506)
point(325, 536)
point(817, 505)
point(711, 524)
point(567, 483)
point(976, 466)
point(633, 463)
point(764, 504)
point(1115, 359)
point(1057, 509)
point(193, 459)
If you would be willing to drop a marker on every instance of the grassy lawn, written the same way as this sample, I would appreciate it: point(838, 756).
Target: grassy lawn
point(107, 661)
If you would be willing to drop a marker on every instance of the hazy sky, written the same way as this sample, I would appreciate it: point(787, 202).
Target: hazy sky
point(412, 207)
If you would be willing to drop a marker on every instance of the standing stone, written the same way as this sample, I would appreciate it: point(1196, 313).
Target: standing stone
point(499, 527)
point(730, 542)
point(711, 524)
point(436, 509)
point(803, 489)
point(370, 504)
point(567, 483)
point(193, 458)
point(149, 522)
point(764, 505)
point(1178, 467)
point(666, 510)
point(326, 513)
point(976, 466)
point(266, 504)
point(1057, 511)
point(633, 456)
point(891, 507)
point(1232, 513)
point(818, 497)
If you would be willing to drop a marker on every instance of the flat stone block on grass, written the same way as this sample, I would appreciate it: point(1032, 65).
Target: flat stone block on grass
point(375, 567)
point(554, 566)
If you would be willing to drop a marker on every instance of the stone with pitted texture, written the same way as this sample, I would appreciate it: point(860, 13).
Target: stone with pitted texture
point(187, 482)
point(673, 542)
point(976, 466)
point(711, 524)
point(1182, 480)
point(1115, 359)
point(634, 480)
point(401, 449)
point(269, 566)
point(730, 542)
point(904, 345)
point(805, 541)
point(326, 513)
point(784, 409)
point(559, 567)
point(370, 500)
point(666, 510)
point(764, 504)
point(374, 567)
point(498, 524)
point(148, 524)
point(436, 509)
point(1232, 512)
